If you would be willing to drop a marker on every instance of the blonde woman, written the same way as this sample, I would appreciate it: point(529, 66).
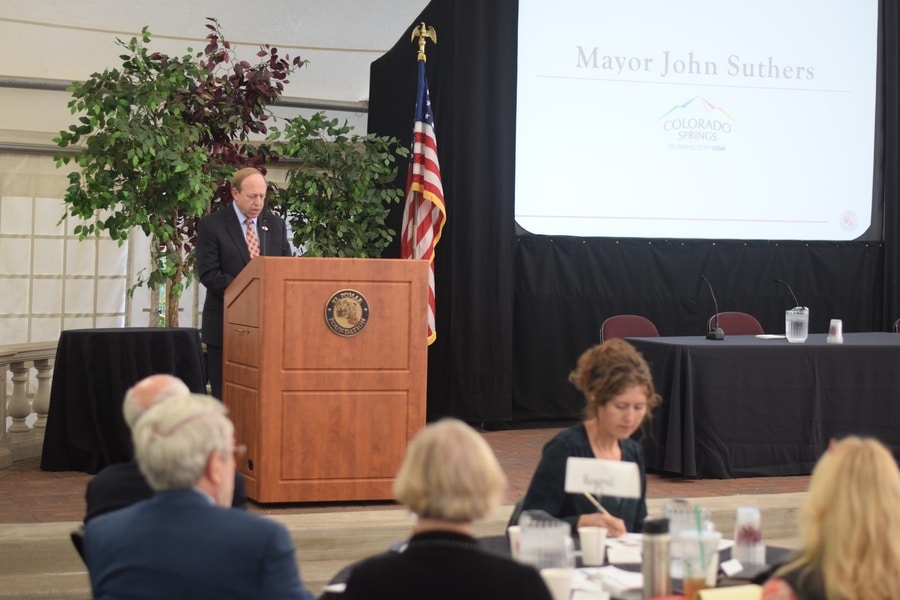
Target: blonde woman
point(449, 478)
point(850, 529)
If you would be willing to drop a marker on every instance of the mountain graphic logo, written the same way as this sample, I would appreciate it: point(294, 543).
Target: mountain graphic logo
point(697, 125)
point(704, 104)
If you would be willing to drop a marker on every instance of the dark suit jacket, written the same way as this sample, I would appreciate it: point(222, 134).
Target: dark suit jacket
point(443, 565)
point(179, 545)
point(222, 254)
point(122, 484)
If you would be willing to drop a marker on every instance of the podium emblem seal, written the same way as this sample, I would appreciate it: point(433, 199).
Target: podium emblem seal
point(347, 313)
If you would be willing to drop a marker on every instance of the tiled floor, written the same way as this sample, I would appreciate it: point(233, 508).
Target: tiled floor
point(29, 495)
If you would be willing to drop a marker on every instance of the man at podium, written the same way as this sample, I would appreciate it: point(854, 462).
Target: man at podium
point(226, 241)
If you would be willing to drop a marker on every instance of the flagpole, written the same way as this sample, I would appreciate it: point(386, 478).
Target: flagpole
point(422, 32)
point(425, 212)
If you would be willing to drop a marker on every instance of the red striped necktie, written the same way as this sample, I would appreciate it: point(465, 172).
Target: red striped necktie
point(252, 240)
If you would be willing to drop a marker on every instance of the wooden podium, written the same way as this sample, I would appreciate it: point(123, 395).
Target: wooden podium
point(324, 374)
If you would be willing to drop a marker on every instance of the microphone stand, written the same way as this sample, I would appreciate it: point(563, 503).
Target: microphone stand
point(263, 228)
point(796, 302)
point(716, 333)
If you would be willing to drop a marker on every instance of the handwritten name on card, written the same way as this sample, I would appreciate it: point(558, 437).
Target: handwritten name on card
point(602, 477)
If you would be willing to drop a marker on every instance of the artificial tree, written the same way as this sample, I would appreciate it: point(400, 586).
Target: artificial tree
point(337, 195)
point(159, 136)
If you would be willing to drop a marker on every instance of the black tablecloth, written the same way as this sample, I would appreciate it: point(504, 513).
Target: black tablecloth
point(745, 406)
point(94, 368)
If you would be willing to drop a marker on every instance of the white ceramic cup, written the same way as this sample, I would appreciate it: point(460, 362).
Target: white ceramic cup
point(558, 581)
point(515, 540)
point(593, 545)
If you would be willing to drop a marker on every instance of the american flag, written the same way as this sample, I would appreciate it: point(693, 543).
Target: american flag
point(424, 212)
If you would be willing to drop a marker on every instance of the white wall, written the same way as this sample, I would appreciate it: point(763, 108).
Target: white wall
point(70, 39)
point(50, 281)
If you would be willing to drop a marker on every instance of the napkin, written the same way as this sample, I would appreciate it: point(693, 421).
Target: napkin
point(623, 556)
point(584, 588)
point(616, 580)
point(625, 549)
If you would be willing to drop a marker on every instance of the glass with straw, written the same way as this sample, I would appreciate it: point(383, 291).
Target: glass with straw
point(700, 557)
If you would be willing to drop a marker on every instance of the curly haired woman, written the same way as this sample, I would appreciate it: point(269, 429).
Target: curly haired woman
point(619, 395)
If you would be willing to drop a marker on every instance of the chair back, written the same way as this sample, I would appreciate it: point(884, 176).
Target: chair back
point(516, 513)
point(736, 323)
point(621, 326)
point(77, 537)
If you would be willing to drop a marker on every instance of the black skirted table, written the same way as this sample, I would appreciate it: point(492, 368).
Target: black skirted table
point(94, 368)
point(746, 406)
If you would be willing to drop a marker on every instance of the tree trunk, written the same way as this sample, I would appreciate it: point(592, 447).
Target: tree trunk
point(173, 286)
point(172, 301)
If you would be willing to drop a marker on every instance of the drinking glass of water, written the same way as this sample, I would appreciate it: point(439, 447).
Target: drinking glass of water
point(796, 324)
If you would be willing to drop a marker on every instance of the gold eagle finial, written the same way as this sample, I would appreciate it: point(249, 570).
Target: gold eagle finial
point(423, 32)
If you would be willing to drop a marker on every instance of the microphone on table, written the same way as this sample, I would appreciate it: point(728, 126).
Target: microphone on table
point(796, 302)
point(716, 332)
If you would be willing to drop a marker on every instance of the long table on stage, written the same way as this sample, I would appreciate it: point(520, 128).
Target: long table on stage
point(94, 368)
point(746, 406)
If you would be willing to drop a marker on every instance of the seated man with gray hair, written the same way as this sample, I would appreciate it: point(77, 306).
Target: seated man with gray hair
point(184, 542)
point(122, 484)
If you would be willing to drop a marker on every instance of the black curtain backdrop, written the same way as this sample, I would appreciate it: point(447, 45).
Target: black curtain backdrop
point(472, 78)
point(514, 310)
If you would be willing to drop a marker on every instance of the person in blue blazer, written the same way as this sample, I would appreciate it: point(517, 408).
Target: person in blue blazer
point(184, 542)
point(227, 240)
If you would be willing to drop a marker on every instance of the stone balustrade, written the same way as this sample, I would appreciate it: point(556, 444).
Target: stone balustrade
point(24, 399)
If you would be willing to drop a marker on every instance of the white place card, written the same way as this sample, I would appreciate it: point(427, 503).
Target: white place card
point(602, 477)
point(731, 567)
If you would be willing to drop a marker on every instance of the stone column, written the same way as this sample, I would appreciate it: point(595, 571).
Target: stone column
point(18, 407)
point(41, 402)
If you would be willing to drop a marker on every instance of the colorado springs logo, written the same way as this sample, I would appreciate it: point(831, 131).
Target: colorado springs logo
point(347, 312)
point(697, 124)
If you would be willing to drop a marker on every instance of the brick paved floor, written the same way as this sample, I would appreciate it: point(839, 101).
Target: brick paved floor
point(29, 495)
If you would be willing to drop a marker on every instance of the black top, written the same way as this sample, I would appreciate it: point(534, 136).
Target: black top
point(444, 566)
point(806, 585)
point(547, 488)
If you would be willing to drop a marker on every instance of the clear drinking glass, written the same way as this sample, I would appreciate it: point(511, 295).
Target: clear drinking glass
point(683, 516)
point(700, 555)
point(796, 324)
point(545, 542)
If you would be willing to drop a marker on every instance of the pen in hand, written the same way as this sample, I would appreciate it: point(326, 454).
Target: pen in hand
point(596, 503)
